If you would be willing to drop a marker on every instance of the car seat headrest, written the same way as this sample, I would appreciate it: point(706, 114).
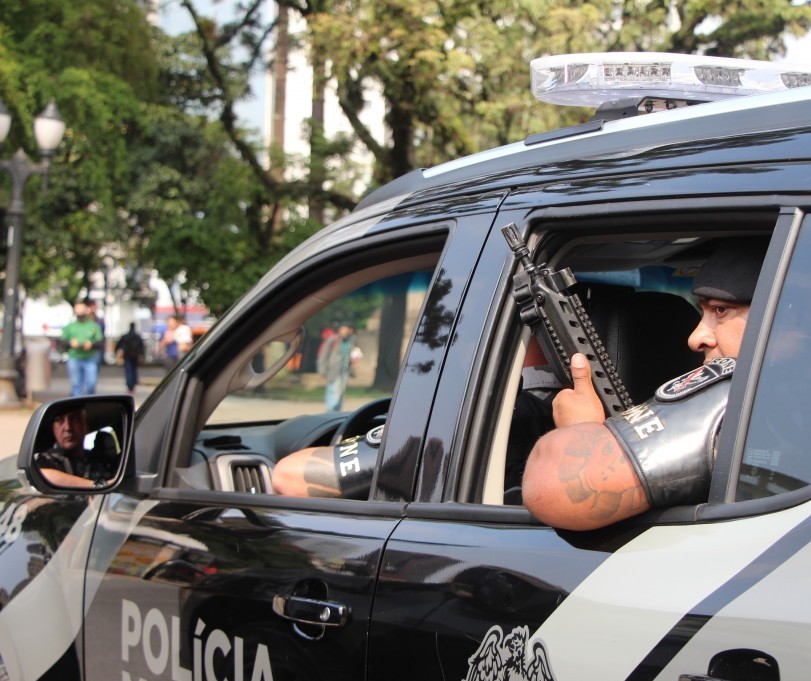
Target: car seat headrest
point(645, 334)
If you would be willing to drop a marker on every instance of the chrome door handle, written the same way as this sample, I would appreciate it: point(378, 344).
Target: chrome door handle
point(310, 611)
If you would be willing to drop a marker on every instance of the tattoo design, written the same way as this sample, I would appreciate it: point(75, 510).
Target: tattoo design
point(319, 474)
point(592, 454)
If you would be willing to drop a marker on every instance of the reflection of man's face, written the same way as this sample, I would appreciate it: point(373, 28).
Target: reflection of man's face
point(345, 332)
point(70, 429)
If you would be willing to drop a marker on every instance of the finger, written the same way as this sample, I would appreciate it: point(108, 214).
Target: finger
point(581, 372)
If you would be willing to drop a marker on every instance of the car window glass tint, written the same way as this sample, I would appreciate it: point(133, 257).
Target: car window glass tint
point(776, 457)
point(352, 349)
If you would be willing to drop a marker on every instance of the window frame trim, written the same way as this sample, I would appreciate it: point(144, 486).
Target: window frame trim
point(732, 437)
point(786, 211)
point(183, 427)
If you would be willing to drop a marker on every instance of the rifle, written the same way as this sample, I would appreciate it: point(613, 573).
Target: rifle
point(559, 321)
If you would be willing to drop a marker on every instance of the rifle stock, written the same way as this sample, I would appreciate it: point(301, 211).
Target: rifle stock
point(559, 321)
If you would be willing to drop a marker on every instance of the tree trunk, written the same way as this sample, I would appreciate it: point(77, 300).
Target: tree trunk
point(317, 140)
point(276, 149)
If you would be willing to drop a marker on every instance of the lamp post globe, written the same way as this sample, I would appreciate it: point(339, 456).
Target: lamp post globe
point(48, 131)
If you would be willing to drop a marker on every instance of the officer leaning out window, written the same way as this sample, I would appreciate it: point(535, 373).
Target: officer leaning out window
point(590, 472)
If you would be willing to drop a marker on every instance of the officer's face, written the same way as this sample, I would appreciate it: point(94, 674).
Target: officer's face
point(720, 331)
point(70, 429)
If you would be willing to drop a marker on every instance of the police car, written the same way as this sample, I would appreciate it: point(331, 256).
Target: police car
point(185, 566)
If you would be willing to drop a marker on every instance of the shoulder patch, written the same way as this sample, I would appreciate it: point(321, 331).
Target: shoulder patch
point(375, 436)
point(696, 380)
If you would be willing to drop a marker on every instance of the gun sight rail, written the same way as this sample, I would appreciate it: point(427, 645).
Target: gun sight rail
point(559, 321)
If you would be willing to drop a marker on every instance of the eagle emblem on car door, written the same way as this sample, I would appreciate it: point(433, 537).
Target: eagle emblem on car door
point(508, 658)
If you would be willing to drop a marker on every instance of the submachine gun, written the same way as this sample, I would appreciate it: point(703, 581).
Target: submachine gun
point(558, 320)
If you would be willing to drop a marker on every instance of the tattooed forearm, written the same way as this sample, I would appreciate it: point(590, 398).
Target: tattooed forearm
point(319, 473)
point(594, 472)
point(306, 473)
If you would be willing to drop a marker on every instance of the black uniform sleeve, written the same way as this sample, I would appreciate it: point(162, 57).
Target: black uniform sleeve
point(355, 460)
point(670, 439)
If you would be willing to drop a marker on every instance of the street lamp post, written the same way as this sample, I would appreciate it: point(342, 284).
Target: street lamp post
point(48, 130)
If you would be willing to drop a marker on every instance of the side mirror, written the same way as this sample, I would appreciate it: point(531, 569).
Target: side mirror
point(78, 444)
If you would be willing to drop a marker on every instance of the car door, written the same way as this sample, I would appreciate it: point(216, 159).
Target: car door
point(209, 575)
point(45, 540)
point(717, 590)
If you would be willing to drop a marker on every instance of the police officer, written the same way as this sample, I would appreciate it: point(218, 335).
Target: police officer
point(68, 463)
point(590, 472)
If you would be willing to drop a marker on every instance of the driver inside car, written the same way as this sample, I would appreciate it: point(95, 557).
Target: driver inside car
point(346, 470)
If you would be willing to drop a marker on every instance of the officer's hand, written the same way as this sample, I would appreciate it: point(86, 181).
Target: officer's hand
point(579, 404)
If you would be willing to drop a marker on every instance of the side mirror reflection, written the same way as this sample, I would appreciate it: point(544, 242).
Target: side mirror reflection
point(78, 443)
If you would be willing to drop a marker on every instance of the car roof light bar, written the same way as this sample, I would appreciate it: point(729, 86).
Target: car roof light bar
point(594, 79)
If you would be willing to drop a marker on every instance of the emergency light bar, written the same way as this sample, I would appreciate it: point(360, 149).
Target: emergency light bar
point(595, 79)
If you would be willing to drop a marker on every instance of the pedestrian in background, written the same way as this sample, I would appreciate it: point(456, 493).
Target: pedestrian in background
point(129, 351)
point(335, 362)
point(175, 342)
point(93, 306)
point(84, 341)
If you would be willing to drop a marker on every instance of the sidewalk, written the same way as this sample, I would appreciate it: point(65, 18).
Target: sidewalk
point(111, 380)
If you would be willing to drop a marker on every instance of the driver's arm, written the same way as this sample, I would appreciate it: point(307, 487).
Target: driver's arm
point(307, 473)
point(61, 479)
point(344, 470)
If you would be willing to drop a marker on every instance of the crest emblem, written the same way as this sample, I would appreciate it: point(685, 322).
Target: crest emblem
point(375, 436)
point(509, 658)
point(698, 379)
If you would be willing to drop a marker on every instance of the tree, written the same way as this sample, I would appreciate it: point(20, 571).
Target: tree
point(143, 174)
point(96, 62)
point(156, 170)
point(453, 73)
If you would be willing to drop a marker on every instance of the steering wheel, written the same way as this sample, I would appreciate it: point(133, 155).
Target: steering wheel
point(359, 421)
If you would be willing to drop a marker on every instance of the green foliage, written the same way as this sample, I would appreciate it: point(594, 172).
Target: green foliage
point(154, 170)
point(454, 73)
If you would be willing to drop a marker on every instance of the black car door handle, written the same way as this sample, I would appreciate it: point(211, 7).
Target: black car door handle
point(311, 611)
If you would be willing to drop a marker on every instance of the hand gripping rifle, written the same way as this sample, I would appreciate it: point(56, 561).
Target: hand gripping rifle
point(560, 323)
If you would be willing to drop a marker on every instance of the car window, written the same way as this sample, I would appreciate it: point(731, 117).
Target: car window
point(643, 314)
point(776, 457)
point(310, 367)
point(638, 297)
point(629, 310)
point(344, 356)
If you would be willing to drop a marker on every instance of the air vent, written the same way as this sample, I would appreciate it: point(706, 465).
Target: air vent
point(224, 442)
point(248, 477)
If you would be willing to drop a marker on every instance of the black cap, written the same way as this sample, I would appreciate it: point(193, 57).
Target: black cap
point(731, 272)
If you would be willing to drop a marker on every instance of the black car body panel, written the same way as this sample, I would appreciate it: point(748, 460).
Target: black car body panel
point(180, 570)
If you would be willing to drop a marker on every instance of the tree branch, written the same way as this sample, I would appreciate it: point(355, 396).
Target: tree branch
point(228, 119)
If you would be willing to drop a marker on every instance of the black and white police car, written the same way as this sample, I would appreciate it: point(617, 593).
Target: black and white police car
point(187, 567)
